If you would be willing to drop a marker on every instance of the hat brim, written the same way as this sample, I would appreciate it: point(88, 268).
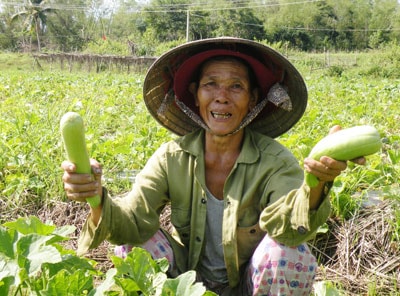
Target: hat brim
point(182, 62)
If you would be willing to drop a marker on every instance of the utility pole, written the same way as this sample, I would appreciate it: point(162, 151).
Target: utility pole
point(187, 25)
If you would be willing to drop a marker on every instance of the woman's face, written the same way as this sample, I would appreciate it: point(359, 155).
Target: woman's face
point(224, 95)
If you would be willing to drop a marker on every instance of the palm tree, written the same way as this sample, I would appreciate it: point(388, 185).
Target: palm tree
point(35, 14)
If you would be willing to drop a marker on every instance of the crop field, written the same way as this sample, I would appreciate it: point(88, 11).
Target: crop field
point(347, 90)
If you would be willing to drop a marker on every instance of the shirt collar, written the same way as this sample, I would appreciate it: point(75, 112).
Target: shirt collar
point(193, 143)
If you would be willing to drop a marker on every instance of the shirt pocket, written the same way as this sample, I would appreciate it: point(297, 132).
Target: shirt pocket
point(180, 216)
point(248, 239)
point(180, 219)
point(184, 234)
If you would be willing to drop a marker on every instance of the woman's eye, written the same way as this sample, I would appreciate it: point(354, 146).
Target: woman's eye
point(237, 86)
point(209, 84)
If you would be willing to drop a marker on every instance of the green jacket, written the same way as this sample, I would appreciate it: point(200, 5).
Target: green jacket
point(264, 193)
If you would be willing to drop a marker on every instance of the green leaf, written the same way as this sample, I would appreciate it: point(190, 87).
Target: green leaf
point(163, 264)
point(129, 285)
point(137, 272)
point(325, 288)
point(44, 254)
point(324, 228)
point(30, 225)
point(65, 230)
point(158, 282)
point(5, 284)
point(209, 293)
point(66, 284)
point(183, 285)
point(7, 240)
point(106, 285)
point(8, 268)
point(72, 263)
point(33, 252)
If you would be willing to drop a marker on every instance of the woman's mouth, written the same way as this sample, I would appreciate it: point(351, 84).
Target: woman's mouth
point(219, 115)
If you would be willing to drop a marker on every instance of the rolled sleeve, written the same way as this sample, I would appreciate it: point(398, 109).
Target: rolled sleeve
point(290, 221)
point(91, 235)
point(132, 218)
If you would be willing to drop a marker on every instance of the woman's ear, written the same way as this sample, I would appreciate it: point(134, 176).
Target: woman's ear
point(193, 91)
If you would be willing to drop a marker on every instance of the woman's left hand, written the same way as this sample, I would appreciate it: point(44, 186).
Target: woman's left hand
point(327, 169)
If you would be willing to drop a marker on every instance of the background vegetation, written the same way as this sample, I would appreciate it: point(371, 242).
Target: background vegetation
point(138, 27)
point(360, 88)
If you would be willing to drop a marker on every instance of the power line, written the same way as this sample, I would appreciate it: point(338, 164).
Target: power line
point(213, 7)
point(341, 30)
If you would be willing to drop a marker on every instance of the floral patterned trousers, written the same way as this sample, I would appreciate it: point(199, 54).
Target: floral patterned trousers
point(274, 269)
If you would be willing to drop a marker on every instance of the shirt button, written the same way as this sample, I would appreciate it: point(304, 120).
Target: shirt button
point(198, 239)
point(252, 231)
point(203, 201)
point(301, 230)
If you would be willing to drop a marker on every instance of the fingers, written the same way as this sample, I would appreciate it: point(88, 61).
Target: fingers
point(78, 179)
point(327, 169)
point(359, 160)
point(71, 167)
point(332, 166)
point(78, 187)
point(96, 168)
point(68, 166)
point(79, 192)
point(334, 129)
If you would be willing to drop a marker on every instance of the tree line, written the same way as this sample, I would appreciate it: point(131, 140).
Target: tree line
point(139, 27)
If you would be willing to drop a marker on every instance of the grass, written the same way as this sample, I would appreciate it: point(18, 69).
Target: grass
point(16, 62)
point(120, 132)
point(122, 135)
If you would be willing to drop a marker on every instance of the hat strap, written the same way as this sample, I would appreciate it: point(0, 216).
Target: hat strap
point(166, 103)
point(251, 115)
point(191, 114)
point(278, 96)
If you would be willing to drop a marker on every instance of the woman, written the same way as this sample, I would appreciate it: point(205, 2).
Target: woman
point(240, 210)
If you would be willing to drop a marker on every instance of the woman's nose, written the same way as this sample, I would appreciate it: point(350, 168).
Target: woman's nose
point(221, 95)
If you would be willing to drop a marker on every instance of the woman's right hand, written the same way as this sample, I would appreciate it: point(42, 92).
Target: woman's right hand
point(78, 187)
